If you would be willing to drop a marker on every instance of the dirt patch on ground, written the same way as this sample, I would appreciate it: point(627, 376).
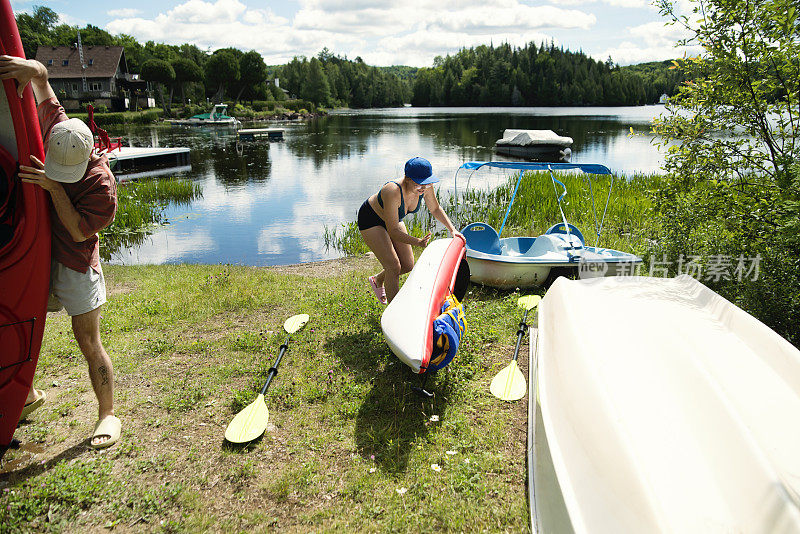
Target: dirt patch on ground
point(330, 268)
point(119, 288)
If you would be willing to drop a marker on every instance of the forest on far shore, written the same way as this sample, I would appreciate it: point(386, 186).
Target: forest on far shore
point(487, 75)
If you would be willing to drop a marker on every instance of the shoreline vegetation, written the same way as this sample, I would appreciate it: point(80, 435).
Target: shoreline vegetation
point(288, 110)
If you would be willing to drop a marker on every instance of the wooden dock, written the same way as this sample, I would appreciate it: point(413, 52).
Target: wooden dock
point(251, 134)
point(128, 159)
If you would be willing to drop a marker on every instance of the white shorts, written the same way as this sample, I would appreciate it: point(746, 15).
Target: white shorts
point(79, 293)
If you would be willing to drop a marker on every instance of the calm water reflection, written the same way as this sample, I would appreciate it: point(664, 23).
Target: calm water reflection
point(268, 203)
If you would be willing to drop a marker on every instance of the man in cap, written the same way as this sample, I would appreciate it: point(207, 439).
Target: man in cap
point(84, 201)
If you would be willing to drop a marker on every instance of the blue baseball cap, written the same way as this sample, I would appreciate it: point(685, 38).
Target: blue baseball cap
point(420, 170)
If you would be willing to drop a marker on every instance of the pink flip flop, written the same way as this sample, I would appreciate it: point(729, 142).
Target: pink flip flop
point(380, 292)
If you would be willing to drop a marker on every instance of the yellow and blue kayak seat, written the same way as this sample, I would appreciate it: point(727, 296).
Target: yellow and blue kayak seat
point(448, 328)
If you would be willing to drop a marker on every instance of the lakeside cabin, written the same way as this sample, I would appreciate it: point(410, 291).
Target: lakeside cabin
point(103, 79)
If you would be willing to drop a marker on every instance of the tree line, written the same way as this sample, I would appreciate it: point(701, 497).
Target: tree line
point(501, 75)
point(329, 79)
point(543, 75)
point(227, 73)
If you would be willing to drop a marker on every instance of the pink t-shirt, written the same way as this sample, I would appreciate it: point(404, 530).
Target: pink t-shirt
point(94, 197)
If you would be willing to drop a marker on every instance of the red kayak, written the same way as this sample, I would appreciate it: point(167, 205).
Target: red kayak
point(24, 242)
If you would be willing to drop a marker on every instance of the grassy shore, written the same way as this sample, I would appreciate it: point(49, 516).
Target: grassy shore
point(349, 446)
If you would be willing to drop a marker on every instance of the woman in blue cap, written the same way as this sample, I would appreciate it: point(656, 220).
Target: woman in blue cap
point(380, 220)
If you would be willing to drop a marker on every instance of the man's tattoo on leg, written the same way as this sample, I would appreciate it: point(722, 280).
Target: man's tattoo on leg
point(104, 374)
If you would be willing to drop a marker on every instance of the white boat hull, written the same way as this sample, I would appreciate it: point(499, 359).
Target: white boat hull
point(535, 151)
point(658, 406)
point(407, 322)
point(512, 272)
point(506, 275)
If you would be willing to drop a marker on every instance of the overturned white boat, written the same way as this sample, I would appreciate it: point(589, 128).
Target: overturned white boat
point(659, 406)
point(535, 144)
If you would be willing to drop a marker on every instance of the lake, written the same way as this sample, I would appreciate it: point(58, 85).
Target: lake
point(268, 203)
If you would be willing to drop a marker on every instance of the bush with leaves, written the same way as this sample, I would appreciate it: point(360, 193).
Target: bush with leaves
point(733, 187)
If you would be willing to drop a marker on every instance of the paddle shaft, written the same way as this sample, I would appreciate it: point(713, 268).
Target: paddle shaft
point(520, 333)
point(274, 369)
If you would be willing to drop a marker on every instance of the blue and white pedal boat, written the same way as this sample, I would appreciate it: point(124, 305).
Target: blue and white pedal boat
point(512, 262)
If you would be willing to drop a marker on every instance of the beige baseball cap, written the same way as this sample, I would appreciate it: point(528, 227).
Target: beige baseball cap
point(68, 151)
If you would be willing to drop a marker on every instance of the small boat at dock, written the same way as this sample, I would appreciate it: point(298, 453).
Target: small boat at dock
point(217, 117)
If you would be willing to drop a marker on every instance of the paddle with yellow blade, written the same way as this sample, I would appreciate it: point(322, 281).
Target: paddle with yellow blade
point(251, 422)
point(509, 384)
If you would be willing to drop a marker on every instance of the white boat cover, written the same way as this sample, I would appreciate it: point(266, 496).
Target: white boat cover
point(668, 409)
point(533, 137)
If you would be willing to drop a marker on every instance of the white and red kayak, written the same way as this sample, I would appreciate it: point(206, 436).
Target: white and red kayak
point(407, 321)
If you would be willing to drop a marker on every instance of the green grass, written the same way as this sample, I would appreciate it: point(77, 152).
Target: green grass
point(349, 446)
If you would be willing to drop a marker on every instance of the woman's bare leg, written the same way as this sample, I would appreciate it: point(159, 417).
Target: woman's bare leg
point(379, 242)
point(396, 258)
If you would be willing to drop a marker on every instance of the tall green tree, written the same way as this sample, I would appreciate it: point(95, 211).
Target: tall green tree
point(316, 88)
point(34, 29)
point(734, 185)
point(222, 70)
point(186, 71)
point(252, 73)
point(161, 73)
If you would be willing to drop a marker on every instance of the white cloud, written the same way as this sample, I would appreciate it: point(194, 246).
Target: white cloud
point(656, 41)
point(123, 13)
point(571, 2)
point(659, 33)
point(380, 31)
point(65, 18)
point(199, 12)
point(629, 3)
point(517, 17)
point(214, 25)
point(628, 53)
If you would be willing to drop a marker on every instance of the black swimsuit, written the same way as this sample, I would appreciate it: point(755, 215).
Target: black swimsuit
point(367, 217)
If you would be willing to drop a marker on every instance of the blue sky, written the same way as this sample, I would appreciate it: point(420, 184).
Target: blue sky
point(384, 32)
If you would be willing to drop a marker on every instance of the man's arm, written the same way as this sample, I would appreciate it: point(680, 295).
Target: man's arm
point(24, 71)
point(64, 209)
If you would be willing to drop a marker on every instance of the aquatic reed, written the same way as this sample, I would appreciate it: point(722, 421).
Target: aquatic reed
point(628, 224)
point(140, 207)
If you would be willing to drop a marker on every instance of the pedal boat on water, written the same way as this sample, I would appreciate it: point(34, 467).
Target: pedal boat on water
point(525, 262)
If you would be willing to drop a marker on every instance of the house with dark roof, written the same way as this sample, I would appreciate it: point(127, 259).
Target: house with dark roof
point(102, 78)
